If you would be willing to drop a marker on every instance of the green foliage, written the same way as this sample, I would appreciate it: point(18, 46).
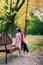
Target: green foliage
point(35, 26)
point(3, 24)
point(10, 16)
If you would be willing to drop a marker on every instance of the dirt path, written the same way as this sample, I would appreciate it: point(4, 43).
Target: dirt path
point(33, 59)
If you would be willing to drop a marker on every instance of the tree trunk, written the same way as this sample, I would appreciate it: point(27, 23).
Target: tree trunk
point(25, 30)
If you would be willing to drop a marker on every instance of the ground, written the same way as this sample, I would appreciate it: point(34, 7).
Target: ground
point(32, 58)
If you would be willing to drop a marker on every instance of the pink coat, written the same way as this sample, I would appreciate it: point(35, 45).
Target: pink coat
point(17, 41)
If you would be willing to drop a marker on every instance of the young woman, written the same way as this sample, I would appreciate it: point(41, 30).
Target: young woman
point(17, 42)
point(23, 42)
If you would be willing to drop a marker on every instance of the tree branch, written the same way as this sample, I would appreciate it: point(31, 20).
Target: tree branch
point(17, 4)
point(10, 5)
point(7, 2)
point(17, 8)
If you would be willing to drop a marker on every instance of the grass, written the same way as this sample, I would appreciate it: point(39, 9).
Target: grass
point(35, 46)
point(34, 43)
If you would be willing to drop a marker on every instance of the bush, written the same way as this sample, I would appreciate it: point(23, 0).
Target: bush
point(35, 26)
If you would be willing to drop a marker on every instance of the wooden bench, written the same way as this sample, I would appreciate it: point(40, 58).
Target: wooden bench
point(6, 46)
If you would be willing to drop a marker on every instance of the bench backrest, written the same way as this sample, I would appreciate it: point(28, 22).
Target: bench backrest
point(5, 38)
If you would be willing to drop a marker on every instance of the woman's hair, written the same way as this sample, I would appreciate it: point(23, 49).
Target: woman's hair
point(19, 30)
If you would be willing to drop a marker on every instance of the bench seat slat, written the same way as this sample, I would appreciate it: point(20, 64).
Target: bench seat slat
point(10, 49)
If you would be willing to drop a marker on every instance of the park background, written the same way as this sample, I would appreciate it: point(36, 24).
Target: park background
point(25, 14)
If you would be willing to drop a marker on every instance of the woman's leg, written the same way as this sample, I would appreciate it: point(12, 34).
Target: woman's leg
point(25, 47)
